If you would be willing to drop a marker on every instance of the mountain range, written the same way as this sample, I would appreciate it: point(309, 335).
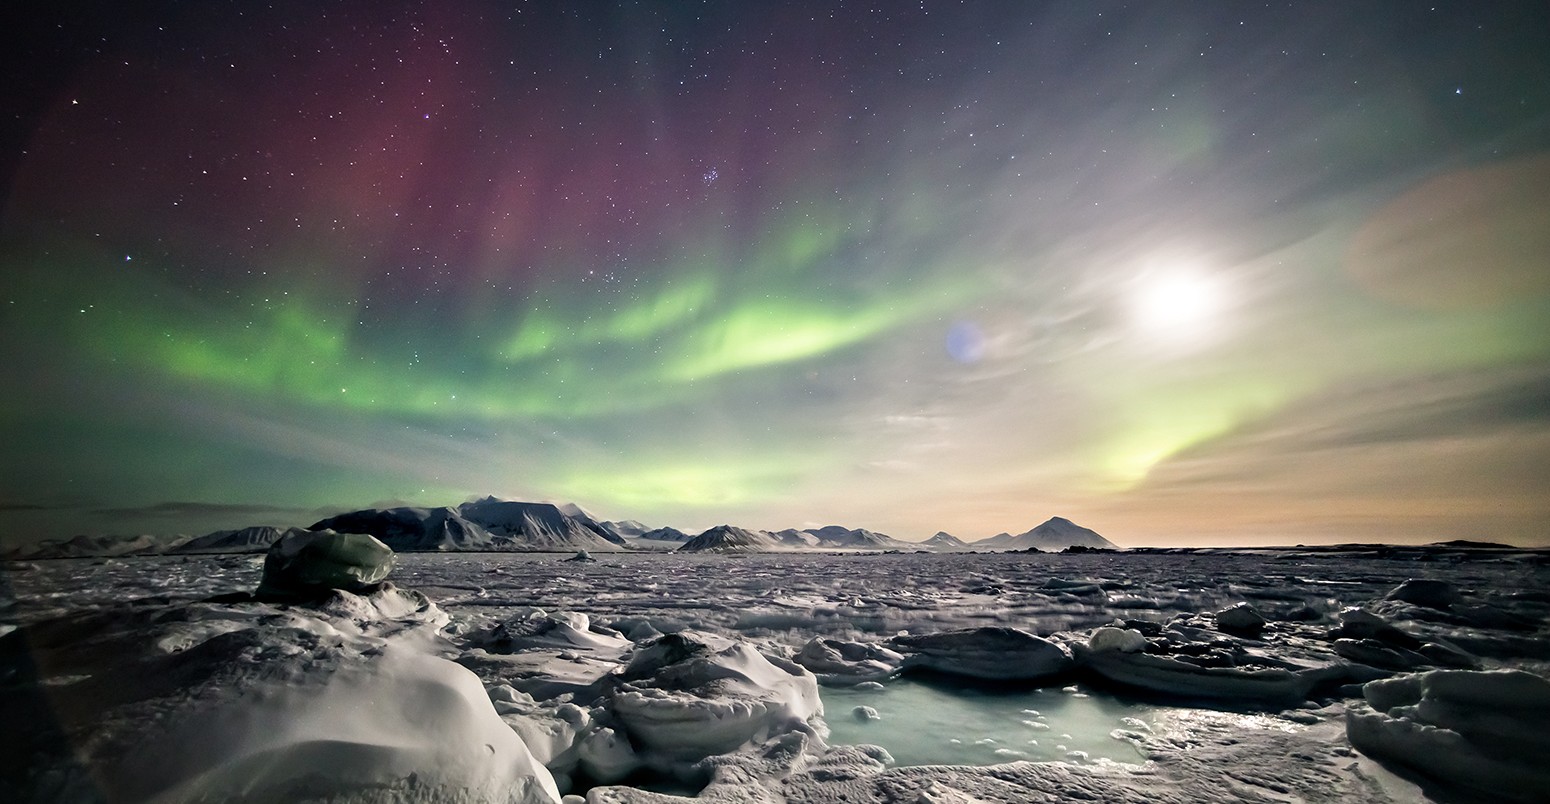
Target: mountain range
point(492, 524)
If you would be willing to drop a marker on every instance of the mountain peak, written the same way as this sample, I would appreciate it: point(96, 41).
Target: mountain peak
point(1055, 533)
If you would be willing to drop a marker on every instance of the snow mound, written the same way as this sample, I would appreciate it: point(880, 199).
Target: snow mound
point(689, 695)
point(247, 700)
point(996, 653)
point(404, 726)
point(839, 662)
point(1200, 670)
point(538, 629)
point(1476, 731)
point(1120, 640)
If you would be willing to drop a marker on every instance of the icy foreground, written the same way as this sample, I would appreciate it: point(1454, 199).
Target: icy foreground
point(493, 677)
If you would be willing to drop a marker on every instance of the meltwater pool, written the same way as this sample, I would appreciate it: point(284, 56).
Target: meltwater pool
point(944, 723)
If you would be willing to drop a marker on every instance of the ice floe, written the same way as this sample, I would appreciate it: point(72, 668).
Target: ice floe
point(521, 677)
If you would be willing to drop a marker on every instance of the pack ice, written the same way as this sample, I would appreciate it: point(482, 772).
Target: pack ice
point(353, 674)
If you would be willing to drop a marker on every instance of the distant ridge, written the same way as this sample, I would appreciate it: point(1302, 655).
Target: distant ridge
point(665, 535)
point(728, 539)
point(412, 529)
point(242, 540)
point(842, 538)
point(1054, 534)
point(626, 528)
point(945, 542)
point(540, 526)
point(493, 524)
point(487, 524)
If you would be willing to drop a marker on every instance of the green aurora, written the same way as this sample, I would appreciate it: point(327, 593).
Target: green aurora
point(902, 294)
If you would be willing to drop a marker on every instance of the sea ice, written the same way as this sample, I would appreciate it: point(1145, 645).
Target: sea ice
point(995, 653)
point(1477, 731)
point(691, 695)
point(575, 667)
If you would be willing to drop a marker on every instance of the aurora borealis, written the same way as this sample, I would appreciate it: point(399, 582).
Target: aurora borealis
point(1183, 273)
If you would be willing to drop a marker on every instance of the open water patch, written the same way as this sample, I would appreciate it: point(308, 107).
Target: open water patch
point(947, 723)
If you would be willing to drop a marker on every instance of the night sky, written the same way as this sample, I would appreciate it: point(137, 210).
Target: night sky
point(1186, 273)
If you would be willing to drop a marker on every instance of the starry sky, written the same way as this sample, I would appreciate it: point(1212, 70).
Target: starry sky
point(1201, 273)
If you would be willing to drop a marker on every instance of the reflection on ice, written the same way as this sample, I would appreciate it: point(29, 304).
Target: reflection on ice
point(942, 723)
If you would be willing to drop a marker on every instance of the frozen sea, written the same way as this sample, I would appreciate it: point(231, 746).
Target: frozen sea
point(563, 653)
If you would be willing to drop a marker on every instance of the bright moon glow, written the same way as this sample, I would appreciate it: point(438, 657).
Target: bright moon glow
point(1178, 305)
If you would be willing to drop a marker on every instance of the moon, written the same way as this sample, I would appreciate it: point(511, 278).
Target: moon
point(1177, 304)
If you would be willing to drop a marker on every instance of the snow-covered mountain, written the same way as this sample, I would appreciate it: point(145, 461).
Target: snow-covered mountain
point(665, 535)
point(487, 524)
point(1054, 534)
point(626, 528)
point(791, 537)
point(581, 515)
point(99, 545)
point(837, 537)
point(539, 526)
point(944, 542)
point(728, 539)
point(244, 540)
point(414, 529)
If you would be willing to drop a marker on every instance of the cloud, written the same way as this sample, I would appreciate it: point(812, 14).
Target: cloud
point(185, 508)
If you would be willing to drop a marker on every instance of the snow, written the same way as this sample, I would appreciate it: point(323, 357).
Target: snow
point(665, 535)
point(701, 672)
point(258, 537)
point(415, 724)
point(689, 696)
point(1055, 533)
point(1478, 732)
point(219, 701)
point(727, 539)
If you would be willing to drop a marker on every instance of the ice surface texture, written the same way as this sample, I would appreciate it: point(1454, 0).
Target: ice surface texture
point(253, 701)
point(700, 670)
point(1481, 732)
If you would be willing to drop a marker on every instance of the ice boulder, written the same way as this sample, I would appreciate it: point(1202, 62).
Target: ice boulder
point(535, 628)
point(1428, 593)
point(1241, 619)
point(1121, 640)
point(306, 562)
point(838, 662)
point(607, 756)
point(995, 653)
point(691, 695)
point(1196, 669)
point(1479, 732)
point(1357, 623)
point(1375, 653)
